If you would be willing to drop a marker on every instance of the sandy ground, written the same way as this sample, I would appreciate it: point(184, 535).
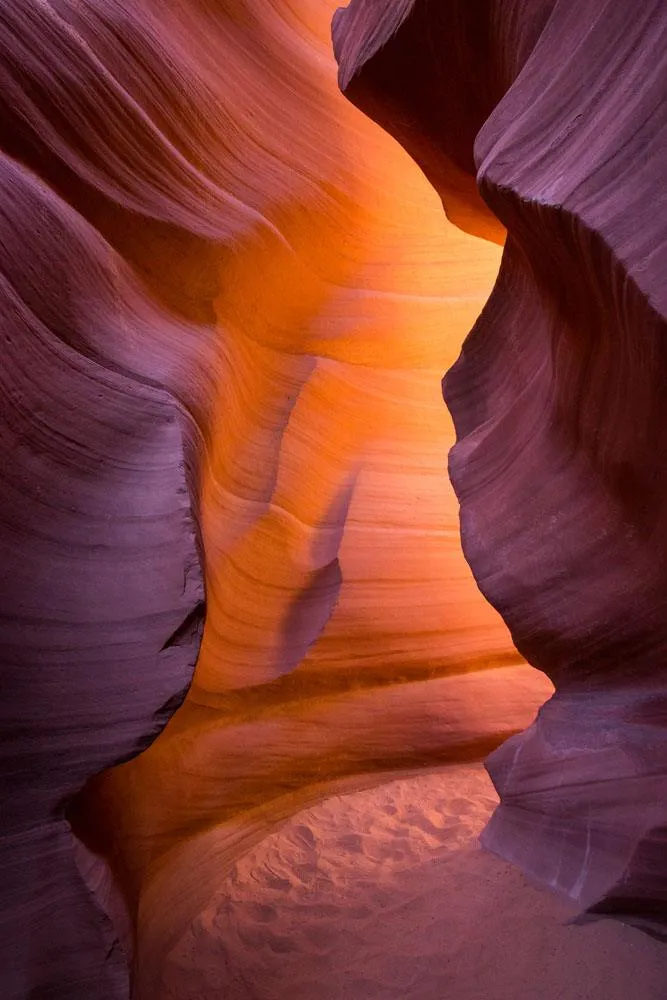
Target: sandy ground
point(384, 894)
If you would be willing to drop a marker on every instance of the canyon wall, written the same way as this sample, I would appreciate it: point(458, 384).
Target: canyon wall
point(228, 302)
point(557, 111)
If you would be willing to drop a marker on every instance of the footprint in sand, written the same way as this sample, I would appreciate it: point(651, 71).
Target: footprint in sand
point(261, 913)
point(463, 807)
point(304, 835)
point(352, 843)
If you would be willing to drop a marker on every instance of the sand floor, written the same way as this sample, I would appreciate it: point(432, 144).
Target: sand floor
point(384, 894)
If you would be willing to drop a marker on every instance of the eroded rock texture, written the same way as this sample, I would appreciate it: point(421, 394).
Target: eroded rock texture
point(228, 301)
point(102, 589)
point(558, 395)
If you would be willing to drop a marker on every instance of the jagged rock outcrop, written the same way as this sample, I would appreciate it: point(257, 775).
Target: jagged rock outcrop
point(558, 110)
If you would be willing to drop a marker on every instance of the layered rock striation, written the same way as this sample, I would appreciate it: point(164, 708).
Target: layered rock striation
point(228, 300)
point(557, 111)
point(102, 595)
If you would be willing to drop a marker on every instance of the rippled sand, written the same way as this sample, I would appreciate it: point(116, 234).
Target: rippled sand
point(384, 894)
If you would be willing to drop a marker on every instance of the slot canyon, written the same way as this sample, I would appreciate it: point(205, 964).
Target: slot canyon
point(333, 533)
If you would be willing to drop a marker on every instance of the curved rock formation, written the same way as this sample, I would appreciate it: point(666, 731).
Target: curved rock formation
point(102, 593)
point(229, 300)
point(559, 110)
point(325, 469)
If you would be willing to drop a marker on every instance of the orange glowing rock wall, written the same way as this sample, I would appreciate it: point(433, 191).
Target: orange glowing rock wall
point(341, 614)
point(296, 287)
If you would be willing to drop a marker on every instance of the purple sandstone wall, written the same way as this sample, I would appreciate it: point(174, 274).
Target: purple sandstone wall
point(560, 466)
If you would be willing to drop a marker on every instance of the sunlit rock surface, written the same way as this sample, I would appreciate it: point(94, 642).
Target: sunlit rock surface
point(558, 396)
point(341, 614)
point(228, 296)
point(229, 300)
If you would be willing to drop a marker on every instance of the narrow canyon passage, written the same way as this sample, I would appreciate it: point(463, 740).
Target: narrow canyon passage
point(250, 679)
point(344, 636)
